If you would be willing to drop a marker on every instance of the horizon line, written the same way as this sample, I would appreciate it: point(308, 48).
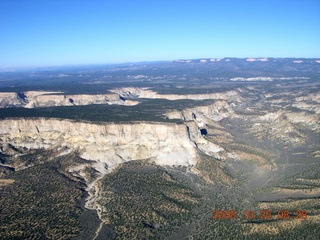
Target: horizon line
point(13, 69)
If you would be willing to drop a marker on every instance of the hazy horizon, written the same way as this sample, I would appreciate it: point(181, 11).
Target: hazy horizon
point(138, 62)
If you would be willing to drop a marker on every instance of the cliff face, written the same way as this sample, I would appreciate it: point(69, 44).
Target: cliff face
point(34, 99)
point(204, 114)
point(69, 100)
point(10, 99)
point(131, 92)
point(110, 144)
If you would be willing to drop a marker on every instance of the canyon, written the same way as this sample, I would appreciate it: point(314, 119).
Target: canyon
point(143, 158)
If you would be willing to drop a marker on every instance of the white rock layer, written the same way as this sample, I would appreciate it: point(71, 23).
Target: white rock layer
point(109, 143)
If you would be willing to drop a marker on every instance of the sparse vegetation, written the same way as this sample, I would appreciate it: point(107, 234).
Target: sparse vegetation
point(145, 201)
point(41, 203)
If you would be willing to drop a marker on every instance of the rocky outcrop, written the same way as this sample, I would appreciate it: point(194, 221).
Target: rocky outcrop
point(50, 100)
point(205, 146)
point(314, 97)
point(10, 99)
point(132, 92)
point(283, 126)
point(34, 99)
point(204, 114)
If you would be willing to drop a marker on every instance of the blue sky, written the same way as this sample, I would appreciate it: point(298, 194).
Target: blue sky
point(59, 32)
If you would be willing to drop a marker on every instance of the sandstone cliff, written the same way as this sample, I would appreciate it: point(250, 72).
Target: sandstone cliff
point(10, 99)
point(203, 115)
point(120, 96)
point(111, 144)
point(34, 99)
point(132, 92)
